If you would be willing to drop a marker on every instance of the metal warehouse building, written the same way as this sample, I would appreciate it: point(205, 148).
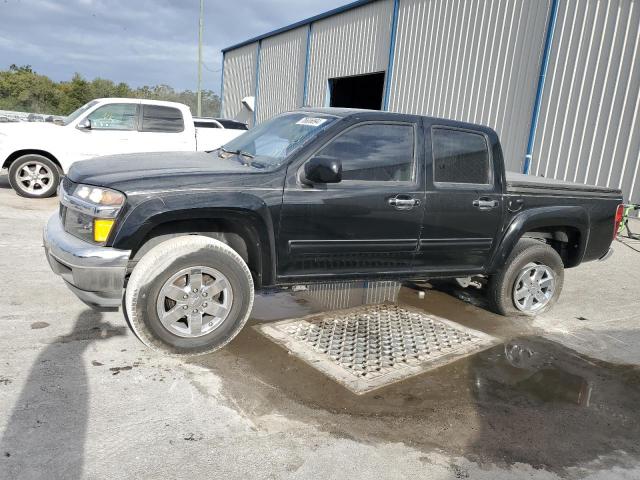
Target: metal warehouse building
point(559, 80)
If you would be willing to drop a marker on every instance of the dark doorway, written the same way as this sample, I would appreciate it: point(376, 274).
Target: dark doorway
point(361, 91)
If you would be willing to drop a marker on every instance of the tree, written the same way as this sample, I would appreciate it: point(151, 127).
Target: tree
point(22, 89)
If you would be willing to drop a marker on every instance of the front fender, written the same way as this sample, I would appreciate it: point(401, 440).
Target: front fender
point(536, 218)
point(244, 209)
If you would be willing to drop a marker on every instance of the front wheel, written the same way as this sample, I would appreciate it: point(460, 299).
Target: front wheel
point(34, 176)
point(530, 282)
point(189, 295)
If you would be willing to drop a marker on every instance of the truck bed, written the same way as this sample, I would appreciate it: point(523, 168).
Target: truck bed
point(521, 183)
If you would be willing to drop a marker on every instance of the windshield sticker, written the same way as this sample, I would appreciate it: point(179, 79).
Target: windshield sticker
point(311, 121)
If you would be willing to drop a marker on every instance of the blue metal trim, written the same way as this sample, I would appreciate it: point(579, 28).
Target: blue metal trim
point(543, 73)
point(222, 87)
point(257, 91)
point(306, 67)
point(392, 46)
point(301, 23)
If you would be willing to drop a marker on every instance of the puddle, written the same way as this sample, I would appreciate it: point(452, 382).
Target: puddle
point(367, 347)
point(526, 400)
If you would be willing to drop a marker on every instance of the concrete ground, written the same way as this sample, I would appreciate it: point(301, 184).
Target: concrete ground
point(80, 397)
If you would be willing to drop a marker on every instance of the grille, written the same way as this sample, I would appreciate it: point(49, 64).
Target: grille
point(372, 346)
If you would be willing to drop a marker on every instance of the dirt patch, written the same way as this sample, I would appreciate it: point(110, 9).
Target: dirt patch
point(39, 325)
point(90, 334)
point(117, 370)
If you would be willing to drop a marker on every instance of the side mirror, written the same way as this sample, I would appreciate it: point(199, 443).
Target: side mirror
point(322, 170)
point(84, 124)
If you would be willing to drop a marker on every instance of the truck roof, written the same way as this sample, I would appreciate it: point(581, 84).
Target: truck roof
point(347, 112)
point(140, 100)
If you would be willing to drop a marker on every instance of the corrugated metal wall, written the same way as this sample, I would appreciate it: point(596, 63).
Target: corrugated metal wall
point(589, 129)
point(282, 60)
point(471, 60)
point(477, 61)
point(239, 80)
point(350, 43)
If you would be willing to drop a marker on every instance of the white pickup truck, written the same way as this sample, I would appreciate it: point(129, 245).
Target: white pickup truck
point(36, 155)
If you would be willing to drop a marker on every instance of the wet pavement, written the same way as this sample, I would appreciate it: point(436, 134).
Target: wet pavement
point(528, 400)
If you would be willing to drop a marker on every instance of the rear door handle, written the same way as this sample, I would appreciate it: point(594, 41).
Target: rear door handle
point(485, 204)
point(403, 202)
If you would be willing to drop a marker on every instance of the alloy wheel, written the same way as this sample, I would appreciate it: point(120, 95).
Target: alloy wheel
point(195, 301)
point(35, 178)
point(533, 288)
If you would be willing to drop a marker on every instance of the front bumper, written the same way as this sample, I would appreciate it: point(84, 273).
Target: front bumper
point(95, 274)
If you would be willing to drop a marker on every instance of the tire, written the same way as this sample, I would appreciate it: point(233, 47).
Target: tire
point(528, 259)
point(34, 176)
point(174, 264)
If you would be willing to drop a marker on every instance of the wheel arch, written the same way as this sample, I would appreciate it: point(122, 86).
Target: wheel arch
point(20, 153)
point(565, 228)
point(243, 230)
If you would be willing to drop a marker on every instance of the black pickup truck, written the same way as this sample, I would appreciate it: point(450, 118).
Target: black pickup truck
point(181, 240)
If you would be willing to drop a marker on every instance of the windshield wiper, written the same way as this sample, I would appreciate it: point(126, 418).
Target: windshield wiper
point(237, 152)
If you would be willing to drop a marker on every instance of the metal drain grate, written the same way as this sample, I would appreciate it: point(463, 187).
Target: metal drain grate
point(369, 347)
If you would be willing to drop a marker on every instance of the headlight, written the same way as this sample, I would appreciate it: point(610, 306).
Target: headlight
point(99, 195)
point(91, 211)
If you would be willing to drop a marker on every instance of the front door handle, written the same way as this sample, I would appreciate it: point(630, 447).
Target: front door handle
point(403, 202)
point(485, 204)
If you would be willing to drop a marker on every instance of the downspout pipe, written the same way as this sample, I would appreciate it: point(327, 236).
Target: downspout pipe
point(305, 88)
point(551, 26)
point(222, 88)
point(392, 48)
point(257, 90)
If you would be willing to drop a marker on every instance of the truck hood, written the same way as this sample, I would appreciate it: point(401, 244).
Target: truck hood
point(160, 171)
point(29, 129)
point(25, 128)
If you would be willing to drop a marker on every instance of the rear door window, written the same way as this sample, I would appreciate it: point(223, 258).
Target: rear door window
point(156, 118)
point(201, 124)
point(460, 157)
point(232, 124)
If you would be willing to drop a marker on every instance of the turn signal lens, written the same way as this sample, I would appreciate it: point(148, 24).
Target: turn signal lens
point(101, 229)
point(619, 218)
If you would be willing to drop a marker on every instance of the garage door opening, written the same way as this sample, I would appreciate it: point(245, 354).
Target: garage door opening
point(361, 91)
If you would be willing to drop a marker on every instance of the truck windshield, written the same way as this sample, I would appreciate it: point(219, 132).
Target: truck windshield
point(71, 117)
point(267, 145)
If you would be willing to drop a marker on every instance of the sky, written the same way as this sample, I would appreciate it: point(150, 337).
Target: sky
point(140, 42)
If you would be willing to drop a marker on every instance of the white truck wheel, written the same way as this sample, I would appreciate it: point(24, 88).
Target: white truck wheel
point(34, 176)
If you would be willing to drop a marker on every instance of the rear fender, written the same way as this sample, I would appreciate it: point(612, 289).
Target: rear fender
point(536, 218)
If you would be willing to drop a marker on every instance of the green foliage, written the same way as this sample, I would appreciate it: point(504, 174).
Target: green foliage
point(24, 90)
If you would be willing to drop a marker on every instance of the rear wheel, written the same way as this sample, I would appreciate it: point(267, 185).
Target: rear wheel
point(189, 295)
point(34, 176)
point(530, 282)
